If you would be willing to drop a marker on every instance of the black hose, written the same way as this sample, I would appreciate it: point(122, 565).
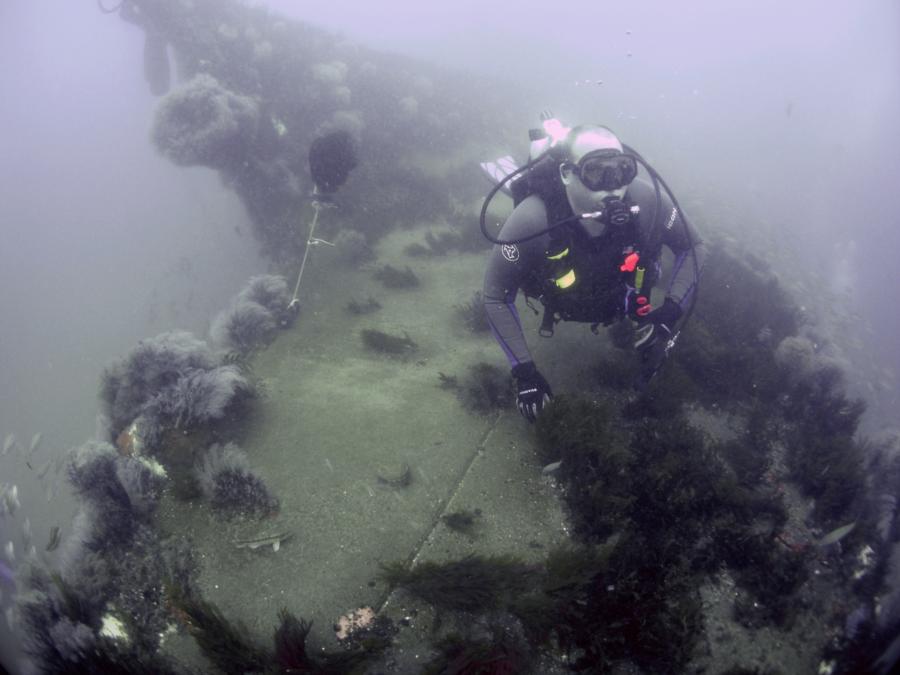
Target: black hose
point(657, 180)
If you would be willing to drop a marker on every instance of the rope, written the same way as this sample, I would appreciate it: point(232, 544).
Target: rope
point(309, 242)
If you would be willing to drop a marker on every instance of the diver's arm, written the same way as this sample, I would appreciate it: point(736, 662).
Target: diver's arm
point(684, 242)
point(690, 254)
point(500, 308)
point(507, 267)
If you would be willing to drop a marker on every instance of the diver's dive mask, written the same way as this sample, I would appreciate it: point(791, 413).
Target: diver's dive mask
point(606, 170)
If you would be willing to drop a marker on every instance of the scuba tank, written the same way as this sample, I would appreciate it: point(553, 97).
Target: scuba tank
point(543, 139)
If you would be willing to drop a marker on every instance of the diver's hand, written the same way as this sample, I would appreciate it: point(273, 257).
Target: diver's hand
point(666, 316)
point(654, 339)
point(532, 390)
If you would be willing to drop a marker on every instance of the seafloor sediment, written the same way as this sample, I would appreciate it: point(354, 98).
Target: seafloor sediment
point(333, 417)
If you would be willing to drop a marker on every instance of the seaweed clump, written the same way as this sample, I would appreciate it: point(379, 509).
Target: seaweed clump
point(62, 635)
point(228, 648)
point(169, 384)
point(463, 521)
point(353, 247)
point(253, 317)
point(232, 488)
point(104, 613)
point(597, 604)
point(727, 348)
point(484, 389)
point(823, 456)
point(471, 584)
point(595, 462)
point(472, 315)
point(677, 513)
point(385, 343)
point(391, 277)
point(360, 307)
point(497, 652)
point(205, 123)
point(439, 244)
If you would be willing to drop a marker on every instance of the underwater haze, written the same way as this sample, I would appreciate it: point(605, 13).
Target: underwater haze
point(185, 446)
point(792, 102)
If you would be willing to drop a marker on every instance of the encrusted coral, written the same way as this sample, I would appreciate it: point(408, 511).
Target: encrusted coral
point(225, 477)
point(203, 123)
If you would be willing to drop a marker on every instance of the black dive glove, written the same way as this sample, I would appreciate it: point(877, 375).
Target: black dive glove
point(532, 390)
point(654, 338)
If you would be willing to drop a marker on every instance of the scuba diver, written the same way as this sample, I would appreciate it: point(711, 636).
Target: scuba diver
point(585, 238)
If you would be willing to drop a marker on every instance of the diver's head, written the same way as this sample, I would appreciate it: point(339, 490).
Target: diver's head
point(596, 173)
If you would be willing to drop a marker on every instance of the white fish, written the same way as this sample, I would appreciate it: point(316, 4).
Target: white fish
point(10, 617)
point(836, 535)
point(9, 443)
point(551, 468)
point(273, 540)
point(35, 442)
point(11, 499)
point(10, 551)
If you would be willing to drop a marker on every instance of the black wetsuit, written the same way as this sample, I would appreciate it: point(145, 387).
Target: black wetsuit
point(603, 293)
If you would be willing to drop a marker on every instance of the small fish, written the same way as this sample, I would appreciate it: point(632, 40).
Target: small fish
point(836, 535)
point(35, 442)
point(54, 539)
point(551, 468)
point(9, 443)
point(273, 540)
point(329, 465)
point(10, 551)
point(11, 499)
